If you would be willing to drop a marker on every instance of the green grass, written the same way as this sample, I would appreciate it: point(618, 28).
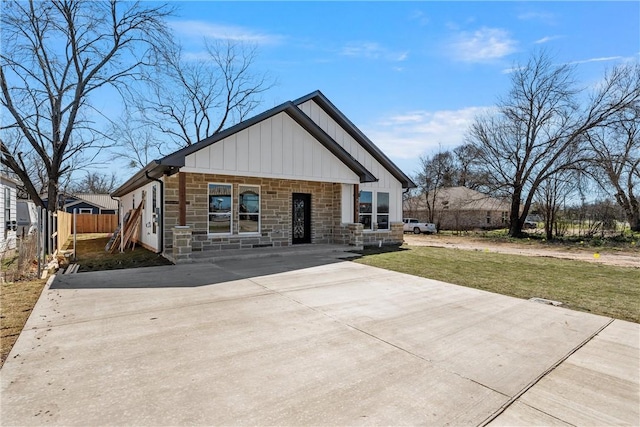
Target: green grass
point(594, 288)
point(16, 303)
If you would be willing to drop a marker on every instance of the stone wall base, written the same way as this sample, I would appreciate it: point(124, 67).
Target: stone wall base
point(392, 237)
point(181, 250)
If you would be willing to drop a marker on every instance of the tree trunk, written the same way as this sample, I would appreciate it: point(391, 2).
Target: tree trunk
point(52, 195)
point(515, 224)
point(548, 226)
point(634, 219)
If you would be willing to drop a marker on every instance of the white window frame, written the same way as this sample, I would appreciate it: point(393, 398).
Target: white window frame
point(154, 209)
point(7, 205)
point(209, 213)
point(387, 214)
point(7, 210)
point(374, 211)
point(258, 214)
point(85, 210)
point(369, 214)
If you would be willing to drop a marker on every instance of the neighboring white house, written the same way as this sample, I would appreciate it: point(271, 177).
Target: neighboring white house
point(298, 173)
point(27, 217)
point(8, 213)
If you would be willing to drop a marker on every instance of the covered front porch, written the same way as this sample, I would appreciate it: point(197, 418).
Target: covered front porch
point(211, 213)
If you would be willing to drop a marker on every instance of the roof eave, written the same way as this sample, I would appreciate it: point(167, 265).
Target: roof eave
point(154, 169)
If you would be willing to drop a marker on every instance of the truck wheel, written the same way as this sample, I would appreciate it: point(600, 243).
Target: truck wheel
point(416, 230)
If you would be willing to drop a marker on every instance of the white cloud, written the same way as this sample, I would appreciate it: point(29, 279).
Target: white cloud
point(482, 45)
point(199, 29)
point(600, 59)
point(544, 17)
point(546, 39)
point(512, 70)
point(420, 16)
point(372, 50)
point(414, 133)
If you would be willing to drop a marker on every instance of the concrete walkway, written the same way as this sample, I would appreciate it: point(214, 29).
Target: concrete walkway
point(310, 340)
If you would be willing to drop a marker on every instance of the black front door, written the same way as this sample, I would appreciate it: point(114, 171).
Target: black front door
point(301, 214)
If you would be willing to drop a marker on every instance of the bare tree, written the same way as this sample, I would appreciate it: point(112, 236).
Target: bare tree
point(190, 99)
point(436, 171)
point(96, 183)
point(136, 141)
point(615, 160)
point(467, 172)
point(540, 126)
point(56, 56)
point(551, 197)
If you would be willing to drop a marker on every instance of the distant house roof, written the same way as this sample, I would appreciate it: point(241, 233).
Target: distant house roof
point(8, 180)
point(171, 163)
point(462, 199)
point(100, 201)
point(103, 201)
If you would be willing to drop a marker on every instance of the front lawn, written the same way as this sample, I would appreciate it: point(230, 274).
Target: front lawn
point(16, 304)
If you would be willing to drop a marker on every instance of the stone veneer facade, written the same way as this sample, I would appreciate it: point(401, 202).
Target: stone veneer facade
point(275, 221)
point(275, 204)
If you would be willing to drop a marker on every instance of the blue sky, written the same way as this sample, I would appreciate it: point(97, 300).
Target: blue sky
point(412, 75)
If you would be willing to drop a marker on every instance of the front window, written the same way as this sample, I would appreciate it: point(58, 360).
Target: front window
point(154, 209)
point(365, 209)
point(220, 208)
point(383, 211)
point(249, 209)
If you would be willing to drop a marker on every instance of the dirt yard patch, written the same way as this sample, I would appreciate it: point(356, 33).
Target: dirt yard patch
point(605, 256)
point(91, 255)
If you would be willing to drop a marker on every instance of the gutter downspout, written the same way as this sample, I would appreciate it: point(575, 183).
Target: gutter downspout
point(161, 219)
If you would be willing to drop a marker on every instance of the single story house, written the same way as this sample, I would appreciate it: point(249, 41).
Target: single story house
point(91, 203)
point(8, 194)
point(86, 203)
point(459, 208)
point(299, 173)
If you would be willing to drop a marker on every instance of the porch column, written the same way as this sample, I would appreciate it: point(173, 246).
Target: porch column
point(182, 199)
point(181, 251)
point(354, 236)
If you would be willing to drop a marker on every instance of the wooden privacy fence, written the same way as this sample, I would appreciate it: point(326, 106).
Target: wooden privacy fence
point(85, 223)
point(65, 228)
point(91, 223)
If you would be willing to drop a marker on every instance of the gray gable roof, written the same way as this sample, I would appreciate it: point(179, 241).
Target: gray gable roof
point(172, 163)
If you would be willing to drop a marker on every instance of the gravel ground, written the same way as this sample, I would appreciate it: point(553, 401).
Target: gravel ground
point(608, 257)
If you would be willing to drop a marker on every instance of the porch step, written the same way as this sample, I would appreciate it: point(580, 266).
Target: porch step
point(72, 269)
point(337, 251)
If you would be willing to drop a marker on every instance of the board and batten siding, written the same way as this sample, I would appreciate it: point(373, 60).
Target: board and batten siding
point(277, 147)
point(386, 181)
point(146, 236)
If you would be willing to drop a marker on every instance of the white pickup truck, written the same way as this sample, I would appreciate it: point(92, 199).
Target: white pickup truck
point(412, 225)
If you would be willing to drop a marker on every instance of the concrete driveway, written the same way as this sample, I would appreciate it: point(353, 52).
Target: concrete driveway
point(310, 340)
